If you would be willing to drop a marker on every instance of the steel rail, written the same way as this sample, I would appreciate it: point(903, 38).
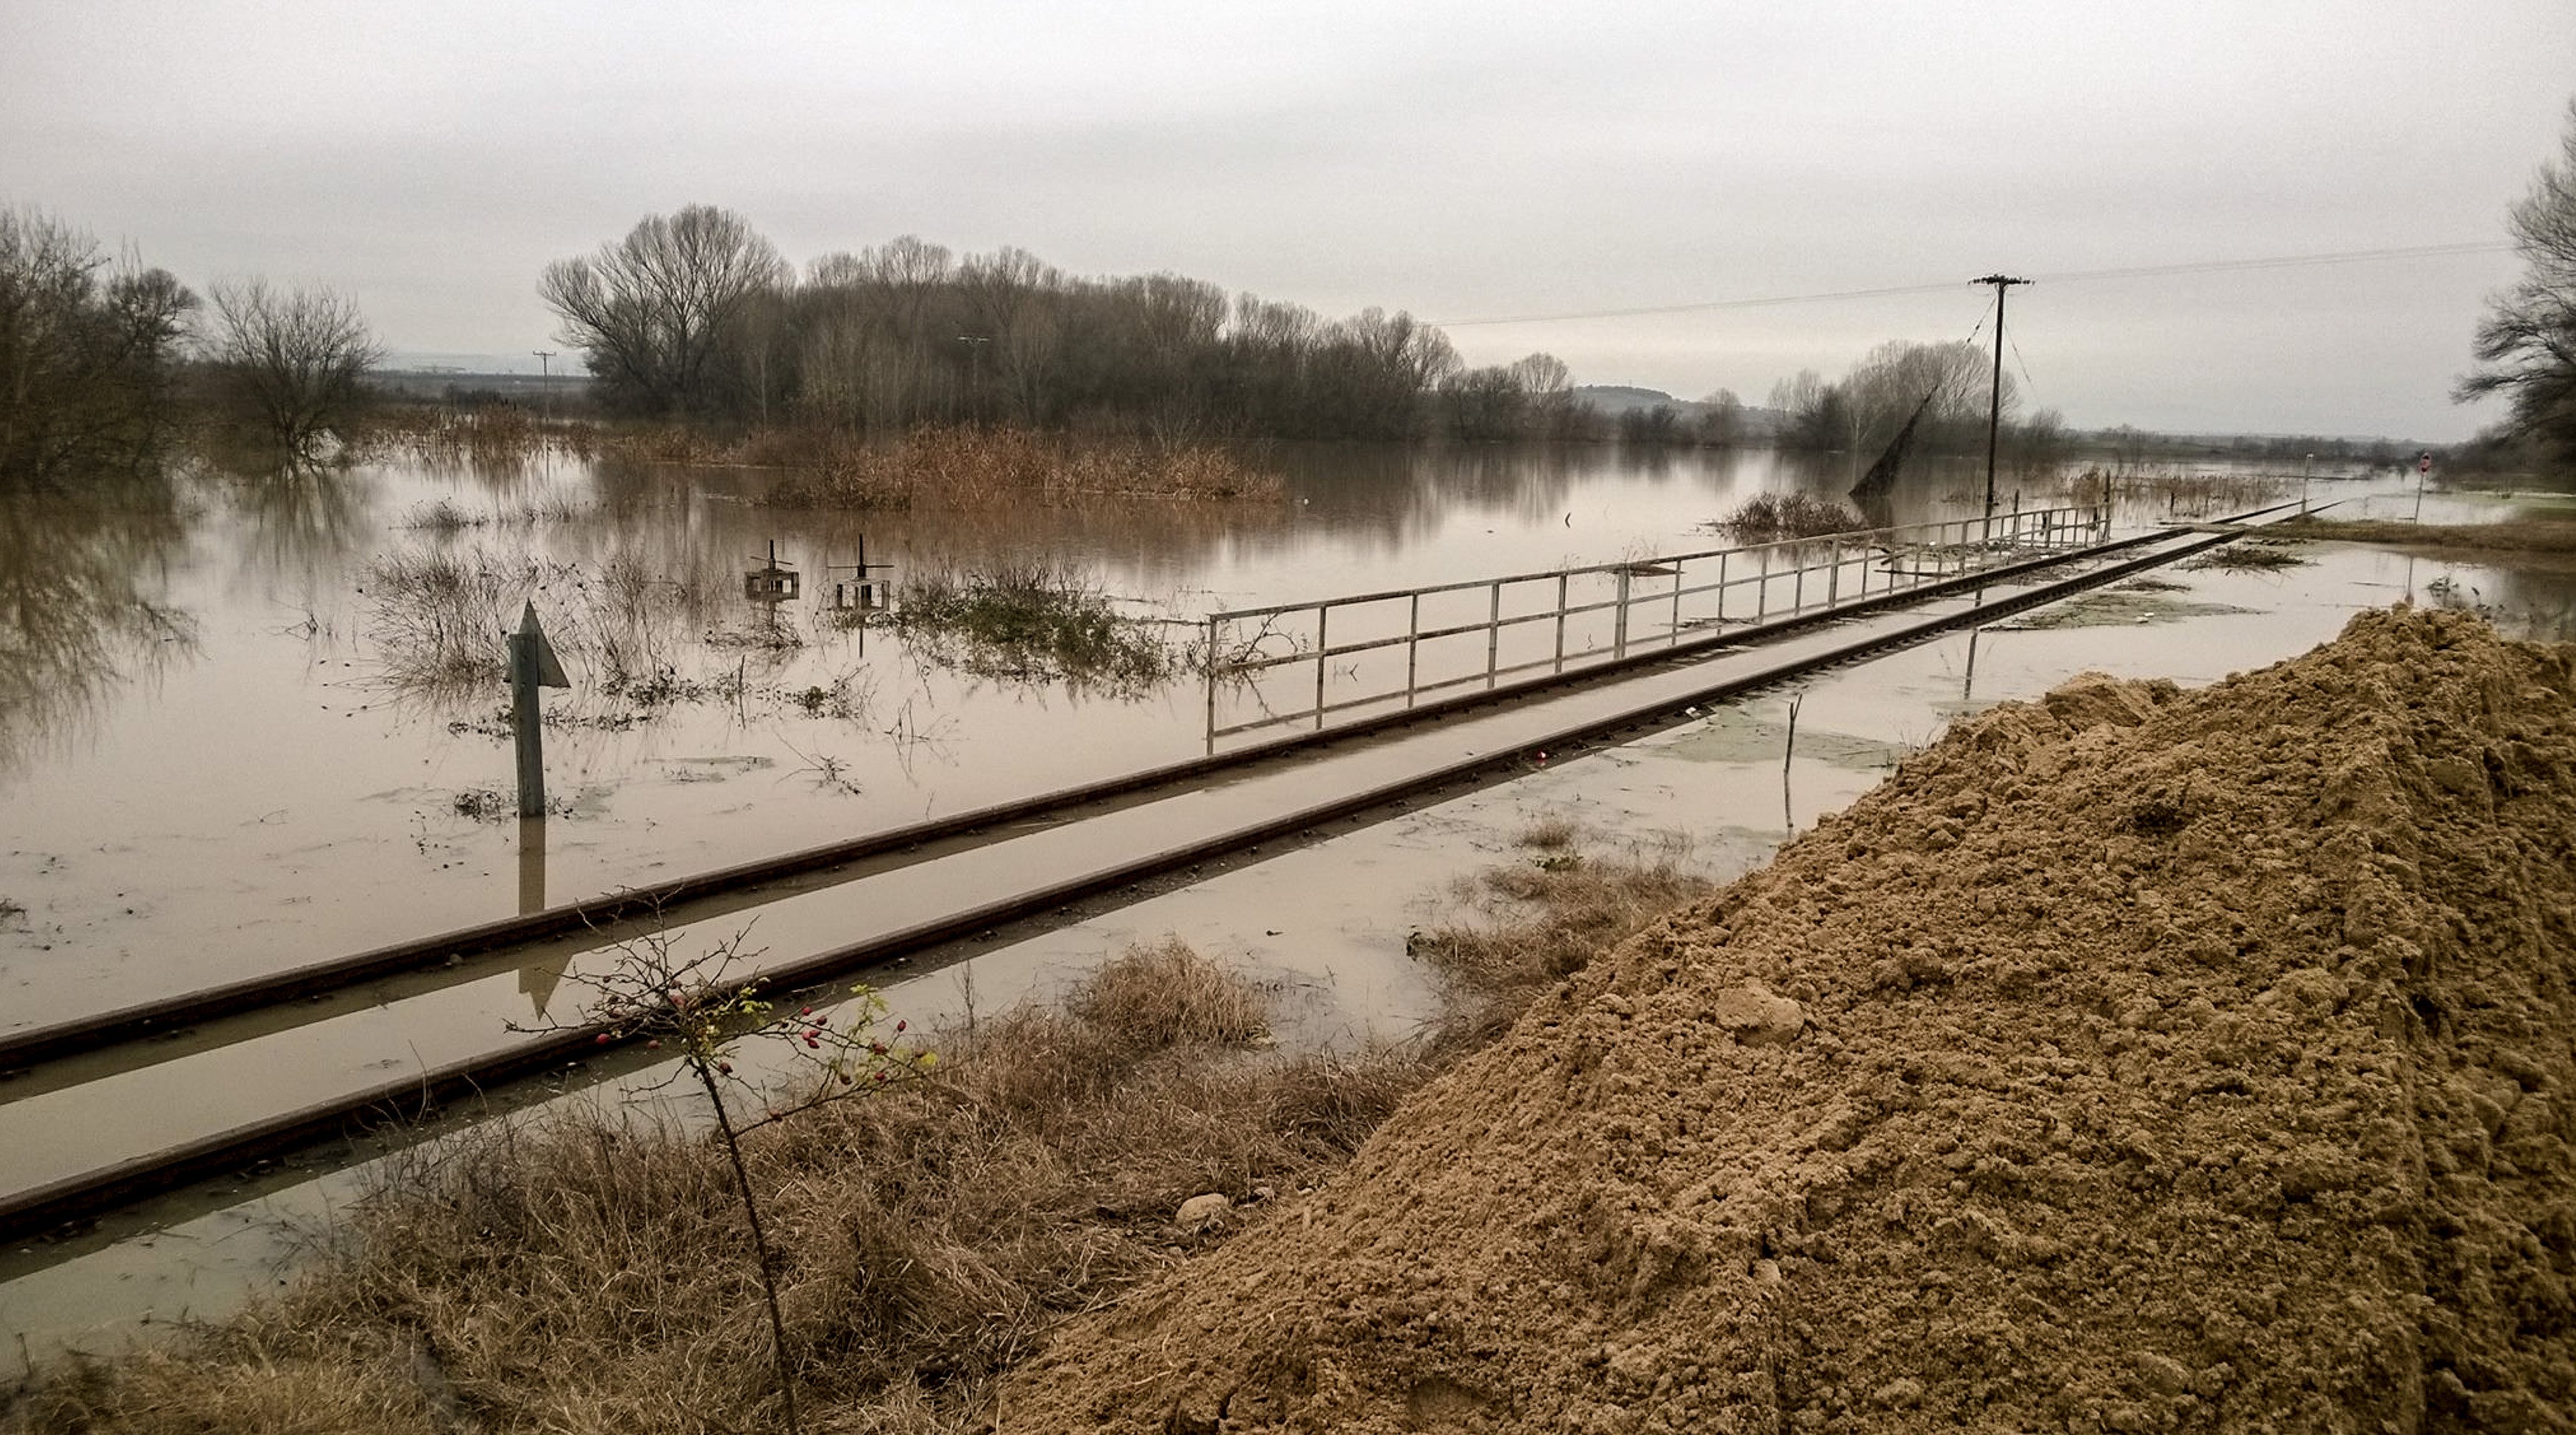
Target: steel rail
point(94, 1192)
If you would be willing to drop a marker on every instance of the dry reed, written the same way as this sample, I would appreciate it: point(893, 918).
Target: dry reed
point(966, 468)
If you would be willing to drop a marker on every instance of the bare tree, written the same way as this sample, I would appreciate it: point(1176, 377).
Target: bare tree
point(1721, 420)
point(2526, 346)
point(658, 313)
point(1813, 414)
point(1895, 379)
point(295, 359)
point(85, 365)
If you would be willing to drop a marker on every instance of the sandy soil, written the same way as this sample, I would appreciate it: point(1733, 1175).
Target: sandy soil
point(2134, 1060)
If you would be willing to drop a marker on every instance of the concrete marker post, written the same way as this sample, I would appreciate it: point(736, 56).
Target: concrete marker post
point(532, 666)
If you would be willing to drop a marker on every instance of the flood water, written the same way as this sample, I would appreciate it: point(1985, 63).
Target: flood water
point(221, 770)
point(226, 747)
point(227, 744)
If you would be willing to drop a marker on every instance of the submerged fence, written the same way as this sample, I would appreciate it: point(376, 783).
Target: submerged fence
point(1301, 663)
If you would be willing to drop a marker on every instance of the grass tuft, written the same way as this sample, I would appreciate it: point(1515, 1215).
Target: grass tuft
point(1030, 621)
point(1772, 517)
point(1538, 921)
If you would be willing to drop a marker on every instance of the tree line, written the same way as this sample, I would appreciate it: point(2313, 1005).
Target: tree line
point(695, 315)
point(103, 362)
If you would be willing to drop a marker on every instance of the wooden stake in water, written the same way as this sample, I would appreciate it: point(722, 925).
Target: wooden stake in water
point(1788, 752)
point(532, 666)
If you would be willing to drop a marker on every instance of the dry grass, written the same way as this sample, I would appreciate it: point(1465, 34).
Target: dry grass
point(964, 468)
point(1771, 517)
point(2177, 495)
point(1538, 921)
point(587, 1275)
point(2537, 535)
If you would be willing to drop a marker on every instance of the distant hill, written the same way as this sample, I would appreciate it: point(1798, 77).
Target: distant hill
point(1612, 400)
point(1617, 399)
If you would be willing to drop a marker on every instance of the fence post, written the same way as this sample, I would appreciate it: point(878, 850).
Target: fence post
point(1561, 580)
point(1677, 601)
point(1209, 662)
point(1412, 648)
point(1798, 585)
point(1762, 587)
point(1619, 625)
point(1721, 590)
point(1323, 662)
point(1493, 632)
point(1834, 575)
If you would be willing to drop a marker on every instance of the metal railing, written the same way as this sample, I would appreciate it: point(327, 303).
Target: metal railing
point(1404, 644)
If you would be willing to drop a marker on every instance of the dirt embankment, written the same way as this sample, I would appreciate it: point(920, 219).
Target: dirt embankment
point(2134, 1060)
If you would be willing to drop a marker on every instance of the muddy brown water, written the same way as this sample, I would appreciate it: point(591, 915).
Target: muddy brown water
point(1324, 923)
point(211, 761)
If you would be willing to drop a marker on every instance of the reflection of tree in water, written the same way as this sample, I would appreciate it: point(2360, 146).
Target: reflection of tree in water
point(77, 621)
point(304, 521)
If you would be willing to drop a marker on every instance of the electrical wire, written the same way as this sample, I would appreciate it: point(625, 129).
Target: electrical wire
point(2072, 276)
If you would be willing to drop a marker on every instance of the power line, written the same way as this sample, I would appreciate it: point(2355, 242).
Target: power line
point(2072, 276)
point(1706, 304)
point(2285, 261)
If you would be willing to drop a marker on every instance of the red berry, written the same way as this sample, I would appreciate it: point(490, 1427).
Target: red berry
point(809, 1011)
point(901, 1025)
point(724, 1068)
point(654, 1045)
point(603, 1039)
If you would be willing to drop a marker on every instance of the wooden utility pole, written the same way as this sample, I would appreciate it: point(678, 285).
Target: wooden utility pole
point(1995, 398)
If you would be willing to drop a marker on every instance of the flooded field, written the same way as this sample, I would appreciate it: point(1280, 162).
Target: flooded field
point(263, 722)
point(365, 840)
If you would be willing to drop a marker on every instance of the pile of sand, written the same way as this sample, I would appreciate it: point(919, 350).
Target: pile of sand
point(2134, 1060)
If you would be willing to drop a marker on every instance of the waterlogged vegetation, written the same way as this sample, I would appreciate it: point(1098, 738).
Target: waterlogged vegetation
point(956, 468)
point(1033, 622)
point(594, 1271)
point(438, 616)
point(1771, 517)
point(2249, 555)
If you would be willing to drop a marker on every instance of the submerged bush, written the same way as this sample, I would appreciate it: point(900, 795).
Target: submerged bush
point(1030, 621)
point(1771, 517)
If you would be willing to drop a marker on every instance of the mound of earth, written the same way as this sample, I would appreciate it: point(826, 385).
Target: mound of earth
point(2135, 1059)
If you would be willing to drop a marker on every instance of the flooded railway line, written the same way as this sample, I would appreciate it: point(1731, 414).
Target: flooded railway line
point(152, 1098)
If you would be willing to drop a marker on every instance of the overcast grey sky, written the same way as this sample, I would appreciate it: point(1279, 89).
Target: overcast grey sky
point(1459, 161)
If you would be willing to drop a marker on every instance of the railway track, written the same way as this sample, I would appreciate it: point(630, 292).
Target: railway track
point(111, 1108)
